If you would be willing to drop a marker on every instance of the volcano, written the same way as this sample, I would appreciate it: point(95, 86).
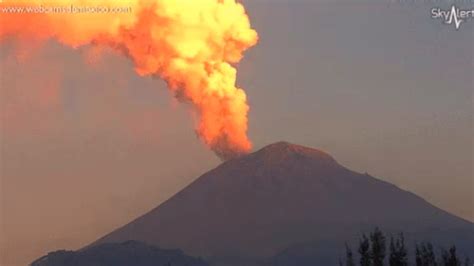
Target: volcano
point(276, 199)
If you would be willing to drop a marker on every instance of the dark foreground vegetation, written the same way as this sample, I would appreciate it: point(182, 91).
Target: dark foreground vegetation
point(377, 250)
point(374, 249)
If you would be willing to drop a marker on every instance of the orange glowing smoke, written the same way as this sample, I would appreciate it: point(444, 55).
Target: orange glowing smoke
point(191, 44)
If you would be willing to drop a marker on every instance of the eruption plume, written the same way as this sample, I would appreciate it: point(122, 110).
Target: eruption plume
point(191, 44)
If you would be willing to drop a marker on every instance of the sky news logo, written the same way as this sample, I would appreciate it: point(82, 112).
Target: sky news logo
point(454, 16)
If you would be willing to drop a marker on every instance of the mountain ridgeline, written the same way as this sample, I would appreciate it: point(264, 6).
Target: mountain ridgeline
point(129, 253)
point(294, 204)
point(282, 197)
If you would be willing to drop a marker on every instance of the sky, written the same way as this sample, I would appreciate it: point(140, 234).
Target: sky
point(87, 145)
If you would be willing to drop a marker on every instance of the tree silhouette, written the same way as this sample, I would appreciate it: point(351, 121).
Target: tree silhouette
point(349, 256)
point(398, 252)
point(425, 255)
point(418, 257)
point(450, 258)
point(372, 251)
point(364, 251)
point(378, 248)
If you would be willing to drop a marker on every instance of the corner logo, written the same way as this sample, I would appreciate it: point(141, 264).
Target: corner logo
point(455, 16)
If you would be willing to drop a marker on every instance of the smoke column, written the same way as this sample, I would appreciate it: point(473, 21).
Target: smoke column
point(191, 44)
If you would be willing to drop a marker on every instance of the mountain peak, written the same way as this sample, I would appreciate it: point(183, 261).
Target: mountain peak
point(254, 206)
point(284, 150)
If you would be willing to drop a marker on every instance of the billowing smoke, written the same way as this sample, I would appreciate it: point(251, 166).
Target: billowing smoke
point(191, 44)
